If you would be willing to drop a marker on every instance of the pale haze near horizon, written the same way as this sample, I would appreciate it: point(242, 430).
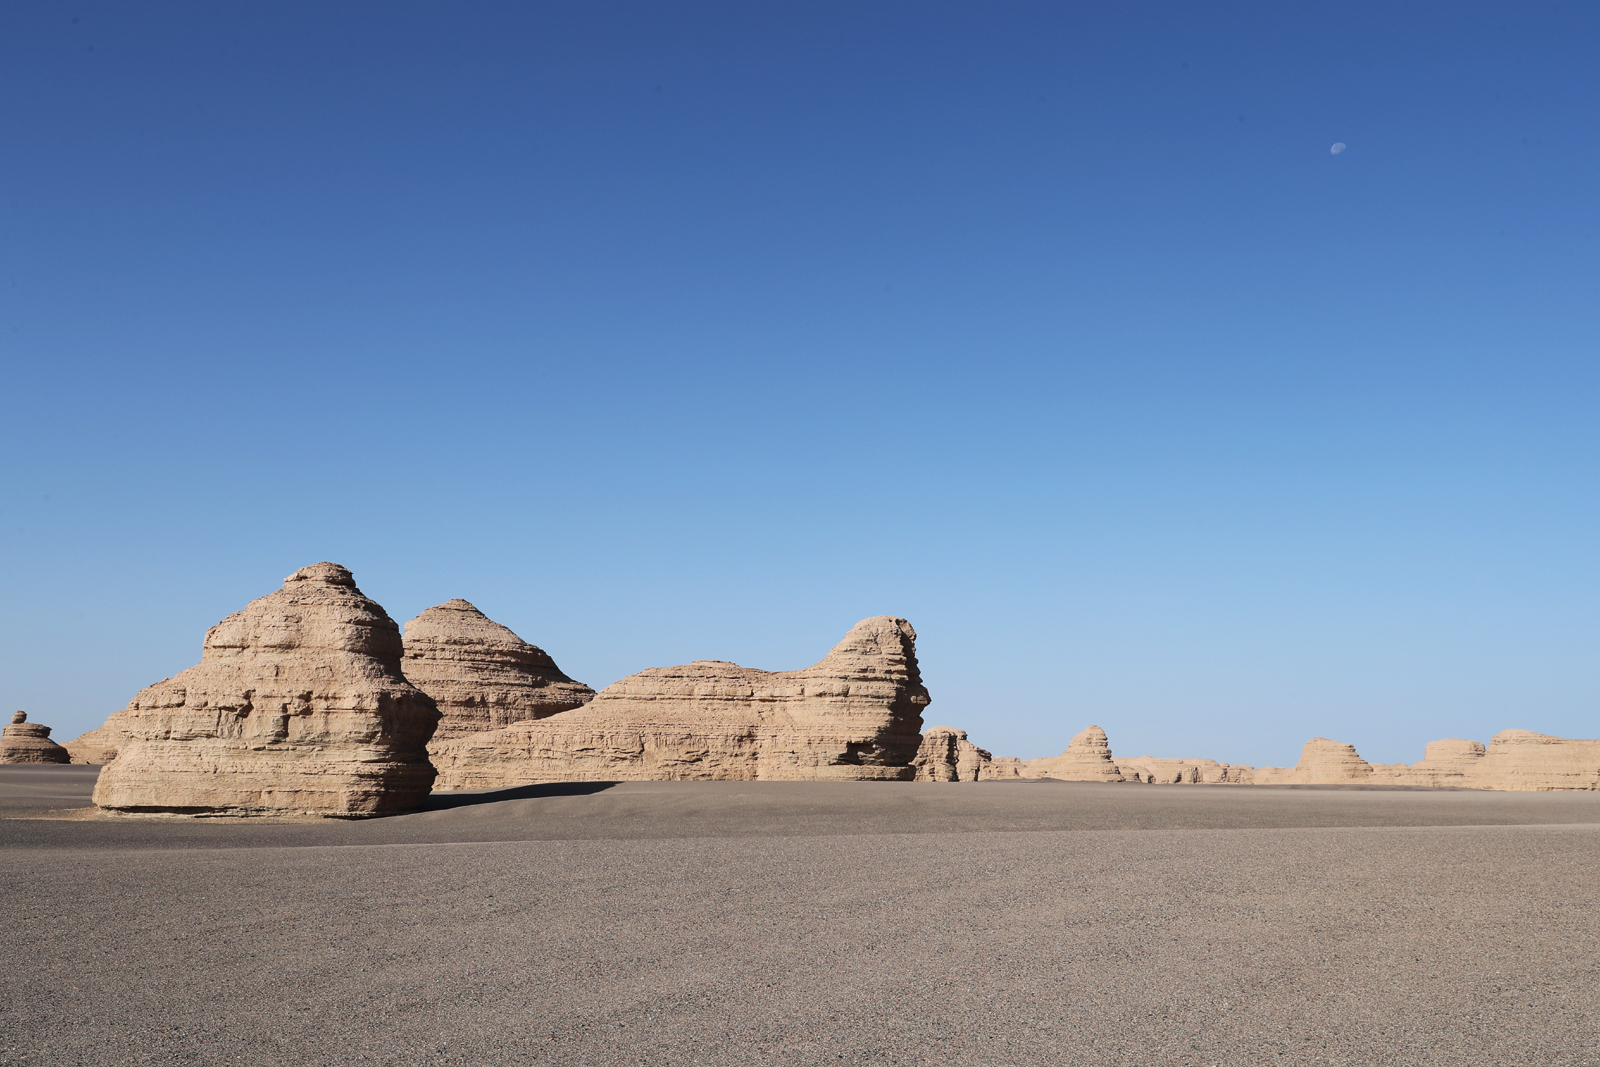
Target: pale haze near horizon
point(701, 332)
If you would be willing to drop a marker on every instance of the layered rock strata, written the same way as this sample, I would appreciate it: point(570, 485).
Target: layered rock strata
point(99, 745)
point(1524, 760)
point(1155, 770)
point(1087, 759)
point(856, 714)
point(1322, 762)
point(298, 705)
point(481, 674)
point(947, 756)
point(29, 742)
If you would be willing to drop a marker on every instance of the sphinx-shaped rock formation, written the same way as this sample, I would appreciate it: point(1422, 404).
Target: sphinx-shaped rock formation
point(1087, 759)
point(947, 756)
point(298, 705)
point(857, 714)
point(1523, 760)
point(481, 674)
point(29, 742)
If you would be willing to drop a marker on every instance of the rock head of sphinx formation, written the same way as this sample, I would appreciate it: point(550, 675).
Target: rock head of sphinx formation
point(856, 714)
point(29, 742)
point(481, 674)
point(298, 705)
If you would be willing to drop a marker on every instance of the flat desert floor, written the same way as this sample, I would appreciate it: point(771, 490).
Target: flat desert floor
point(995, 923)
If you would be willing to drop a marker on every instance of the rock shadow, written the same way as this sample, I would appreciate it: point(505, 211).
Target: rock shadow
point(537, 791)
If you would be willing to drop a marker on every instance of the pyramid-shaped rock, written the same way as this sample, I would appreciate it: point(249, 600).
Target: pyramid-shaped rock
point(857, 714)
point(1087, 759)
point(29, 742)
point(298, 705)
point(482, 675)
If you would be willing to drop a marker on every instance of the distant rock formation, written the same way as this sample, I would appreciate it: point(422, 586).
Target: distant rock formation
point(481, 674)
point(947, 756)
point(29, 742)
point(1523, 760)
point(1087, 759)
point(99, 745)
point(1322, 762)
point(857, 714)
point(1515, 759)
point(297, 706)
point(1154, 770)
point(1003, 767)
point(1447, 762)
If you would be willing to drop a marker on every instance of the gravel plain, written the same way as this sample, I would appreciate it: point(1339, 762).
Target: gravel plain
point(809, 923)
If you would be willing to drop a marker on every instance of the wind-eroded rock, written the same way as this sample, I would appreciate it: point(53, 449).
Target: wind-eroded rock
point(1524, 760)
point(29, 742)
point(1087, 759)
point(298, 705)
point(1322, 762)
point(857, 714)
point(1156, 770)
point(947, 756)
point(99, 745)
point(481, 674)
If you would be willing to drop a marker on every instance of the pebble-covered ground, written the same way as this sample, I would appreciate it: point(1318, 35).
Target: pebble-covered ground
point(810, 923)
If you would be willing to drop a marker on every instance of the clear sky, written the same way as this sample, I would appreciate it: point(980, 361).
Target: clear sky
point(701, 331)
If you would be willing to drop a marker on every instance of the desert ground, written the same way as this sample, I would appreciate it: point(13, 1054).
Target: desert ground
point(993, 923)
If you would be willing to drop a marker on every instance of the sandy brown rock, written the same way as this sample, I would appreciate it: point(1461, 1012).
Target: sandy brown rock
point(1157, 770)
point(1087, 759)
point(1002, 767)
point(481, 674)
point(856, 714)
point(29, 742)
point(947, 756)
point(1523, 760)
point(1322, 762)
point(297, 706)
point(99, 745)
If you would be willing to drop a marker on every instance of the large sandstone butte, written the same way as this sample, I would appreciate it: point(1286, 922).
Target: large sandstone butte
point(482, 675)
point(1087, 759)
point(857, 714)
point(29, 742)
point(298, 705)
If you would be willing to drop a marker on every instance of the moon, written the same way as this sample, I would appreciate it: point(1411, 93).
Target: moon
point(1338, 146)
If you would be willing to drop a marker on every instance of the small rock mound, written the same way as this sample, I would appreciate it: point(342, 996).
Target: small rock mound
point(29, 742)
point(947, 756)
point(1087, 759)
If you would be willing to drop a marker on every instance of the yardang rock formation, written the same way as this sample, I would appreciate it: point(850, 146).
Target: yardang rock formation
point(856, 714)
point(481, 674)
point(946, 755)
point(297, 706)
point(29, 742)
point(1087, 759)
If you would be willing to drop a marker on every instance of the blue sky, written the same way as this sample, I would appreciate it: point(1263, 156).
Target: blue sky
point(666, 332)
